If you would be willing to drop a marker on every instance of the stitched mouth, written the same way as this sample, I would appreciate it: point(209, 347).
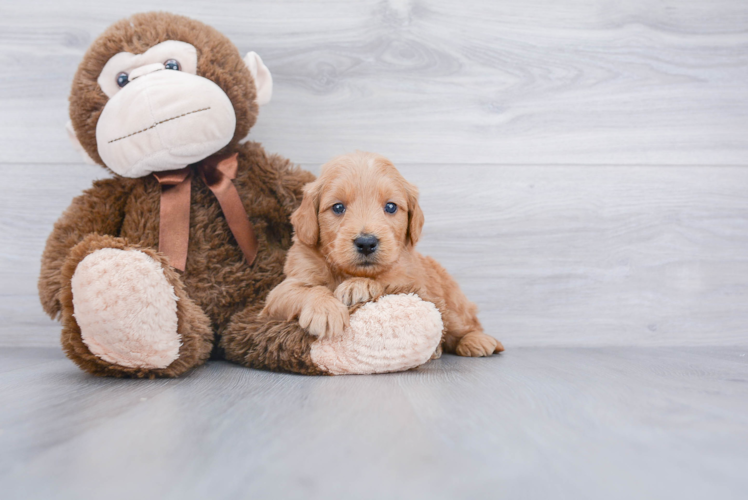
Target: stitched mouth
point(159, 123)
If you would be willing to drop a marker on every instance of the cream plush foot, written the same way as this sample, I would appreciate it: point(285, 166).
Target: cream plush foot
point(126, 309)
point(395, 333)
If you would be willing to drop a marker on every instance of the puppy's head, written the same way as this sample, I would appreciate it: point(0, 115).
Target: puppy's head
point(361, 214)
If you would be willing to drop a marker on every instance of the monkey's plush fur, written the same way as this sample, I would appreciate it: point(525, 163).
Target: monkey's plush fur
point(219, 294)
point(125, 311)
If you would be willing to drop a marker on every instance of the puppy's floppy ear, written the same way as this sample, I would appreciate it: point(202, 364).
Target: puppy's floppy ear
point(415, 215)
point(304, 218)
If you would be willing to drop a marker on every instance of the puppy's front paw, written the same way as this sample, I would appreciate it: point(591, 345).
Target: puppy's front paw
point(477, 344)
point(357, 290)
point(326, 317)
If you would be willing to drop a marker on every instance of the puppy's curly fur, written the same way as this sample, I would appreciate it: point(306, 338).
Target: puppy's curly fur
point(355, 237)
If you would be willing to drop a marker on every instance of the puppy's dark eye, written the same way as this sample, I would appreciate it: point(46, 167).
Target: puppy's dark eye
point(122, 79)
point(338, 208)
point(172, 64)
point(390, 208)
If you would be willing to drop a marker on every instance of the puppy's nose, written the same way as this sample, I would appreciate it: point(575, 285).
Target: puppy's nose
point(366, 244)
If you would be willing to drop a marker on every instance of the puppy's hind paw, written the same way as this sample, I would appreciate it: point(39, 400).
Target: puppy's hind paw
point(478, 344)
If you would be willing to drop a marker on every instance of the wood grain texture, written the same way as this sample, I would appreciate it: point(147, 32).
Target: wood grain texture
point(508, 82)
point(589, 256)
point(532, 423)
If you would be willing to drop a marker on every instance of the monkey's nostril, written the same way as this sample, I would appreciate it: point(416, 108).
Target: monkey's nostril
point(366, 244)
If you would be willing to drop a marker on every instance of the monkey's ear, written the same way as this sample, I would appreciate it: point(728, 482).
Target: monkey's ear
point(263, 78)
point(77, 144)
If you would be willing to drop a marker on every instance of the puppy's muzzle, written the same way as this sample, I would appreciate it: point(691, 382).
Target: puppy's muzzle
point(366, 244)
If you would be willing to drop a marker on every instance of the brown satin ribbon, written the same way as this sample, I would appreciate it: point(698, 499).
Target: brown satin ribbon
point(218, 172)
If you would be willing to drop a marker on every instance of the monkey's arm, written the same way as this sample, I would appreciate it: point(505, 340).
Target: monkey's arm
point(290, 181)
point(98, 210)
point(283, 178)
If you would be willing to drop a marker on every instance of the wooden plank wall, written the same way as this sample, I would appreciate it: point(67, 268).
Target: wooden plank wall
point(583, 164)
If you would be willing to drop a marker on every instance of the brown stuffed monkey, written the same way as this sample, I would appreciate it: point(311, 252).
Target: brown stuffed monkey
point(171, 259)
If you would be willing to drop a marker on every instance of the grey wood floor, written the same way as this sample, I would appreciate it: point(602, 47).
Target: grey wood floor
point(539, 422)
point(584, 174)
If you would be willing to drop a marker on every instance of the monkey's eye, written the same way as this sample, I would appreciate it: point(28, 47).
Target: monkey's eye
point(390, 208)
point(122, 79)
point(338, 208)
point(172, 64)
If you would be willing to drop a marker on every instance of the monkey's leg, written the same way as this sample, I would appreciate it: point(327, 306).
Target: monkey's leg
point(395, 333)
point(269, 344)
point(125, 312)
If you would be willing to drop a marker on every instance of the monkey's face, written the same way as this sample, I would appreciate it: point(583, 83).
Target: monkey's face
point(165, 105)
point(160, 115)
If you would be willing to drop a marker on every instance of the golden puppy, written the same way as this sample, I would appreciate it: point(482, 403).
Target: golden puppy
point(355, 236)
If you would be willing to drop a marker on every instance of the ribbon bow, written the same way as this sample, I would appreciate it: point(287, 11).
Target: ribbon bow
point(218, 172)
